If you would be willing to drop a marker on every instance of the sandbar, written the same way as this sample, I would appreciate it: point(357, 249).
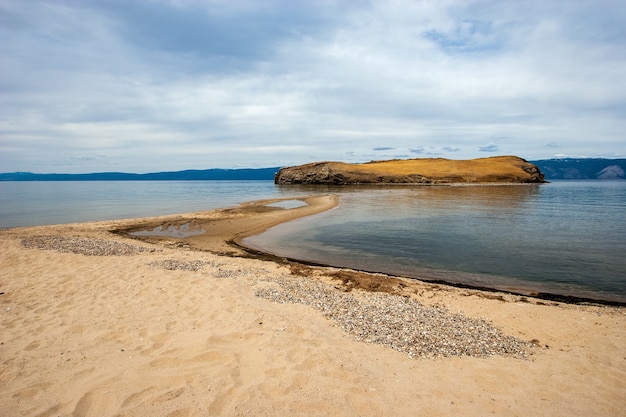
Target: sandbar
point(95, 322)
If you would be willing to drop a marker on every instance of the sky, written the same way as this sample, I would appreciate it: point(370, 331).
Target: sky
point(165, 85)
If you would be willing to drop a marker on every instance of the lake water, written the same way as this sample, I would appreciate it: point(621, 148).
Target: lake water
point(39, 203)
point(565, 237)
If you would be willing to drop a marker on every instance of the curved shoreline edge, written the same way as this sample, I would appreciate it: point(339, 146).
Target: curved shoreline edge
point(225, 230)
point(548, 296)
point(315, 205)
point(259, 253)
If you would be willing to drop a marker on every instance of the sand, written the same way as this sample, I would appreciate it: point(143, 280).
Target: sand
point(176, 327)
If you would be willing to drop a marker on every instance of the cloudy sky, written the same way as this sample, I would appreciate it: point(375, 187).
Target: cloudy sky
point(157, 85)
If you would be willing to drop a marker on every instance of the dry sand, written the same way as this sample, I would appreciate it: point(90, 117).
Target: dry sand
point(93, 323)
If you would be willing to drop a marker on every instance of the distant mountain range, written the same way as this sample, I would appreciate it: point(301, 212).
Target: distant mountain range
point(244, 174)
point(568, 168)
point(585, 168)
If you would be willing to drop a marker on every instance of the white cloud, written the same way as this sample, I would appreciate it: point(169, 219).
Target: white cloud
point(195, 85)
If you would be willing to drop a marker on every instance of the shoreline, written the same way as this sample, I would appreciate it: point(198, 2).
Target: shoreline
point(318, 204)
point(231, 224)
point(94, 322)
point(259, 253)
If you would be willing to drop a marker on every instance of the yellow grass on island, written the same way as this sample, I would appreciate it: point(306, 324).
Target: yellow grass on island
point(100, 319)
point(498, 169)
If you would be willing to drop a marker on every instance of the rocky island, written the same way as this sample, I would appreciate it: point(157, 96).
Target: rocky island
point(498, 169)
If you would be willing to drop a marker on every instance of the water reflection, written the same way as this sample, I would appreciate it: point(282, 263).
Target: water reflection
point(554, 236)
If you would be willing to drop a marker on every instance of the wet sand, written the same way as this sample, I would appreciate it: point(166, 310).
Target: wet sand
point(94, 322)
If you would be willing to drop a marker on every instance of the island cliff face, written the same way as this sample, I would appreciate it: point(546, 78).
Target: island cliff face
point(498, 169)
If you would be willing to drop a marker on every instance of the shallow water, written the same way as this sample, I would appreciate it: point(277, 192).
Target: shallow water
point(56, 202)
point(563, 237)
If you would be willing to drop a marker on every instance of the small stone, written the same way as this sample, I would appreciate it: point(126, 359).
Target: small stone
point(398, 322)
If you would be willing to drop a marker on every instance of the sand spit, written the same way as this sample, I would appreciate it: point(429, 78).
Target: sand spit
point(93, 323)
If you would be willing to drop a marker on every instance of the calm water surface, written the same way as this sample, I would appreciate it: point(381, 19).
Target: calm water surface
point(564, 237)
point(39, 203)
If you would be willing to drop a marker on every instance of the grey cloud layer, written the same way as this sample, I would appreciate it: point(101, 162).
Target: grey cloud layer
point(143, 86)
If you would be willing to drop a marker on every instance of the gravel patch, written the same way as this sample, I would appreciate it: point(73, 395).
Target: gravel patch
point(399, 322)
point(83, 246)
point(174, 264)
point(216, 269)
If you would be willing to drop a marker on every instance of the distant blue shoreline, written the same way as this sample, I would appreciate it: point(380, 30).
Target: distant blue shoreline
point(214, 174)
point(564, 169)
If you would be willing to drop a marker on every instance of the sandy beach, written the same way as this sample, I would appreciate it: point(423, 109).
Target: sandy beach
point(96, 322)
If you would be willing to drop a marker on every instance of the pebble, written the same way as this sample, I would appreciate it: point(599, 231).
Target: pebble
point(83, 246)
point(174, 264)
point(399, 322)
